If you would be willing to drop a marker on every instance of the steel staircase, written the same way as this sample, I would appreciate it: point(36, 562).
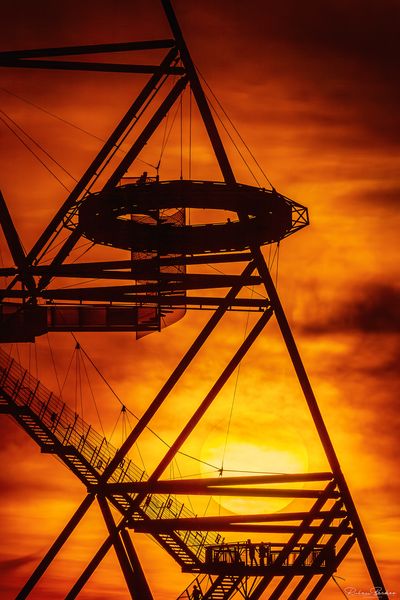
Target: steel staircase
point(60, 431)
point(213, 588)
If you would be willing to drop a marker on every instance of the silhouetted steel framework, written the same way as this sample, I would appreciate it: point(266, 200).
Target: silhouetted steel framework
point(318, 539)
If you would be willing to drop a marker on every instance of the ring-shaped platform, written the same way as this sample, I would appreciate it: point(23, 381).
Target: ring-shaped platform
point(131, 217)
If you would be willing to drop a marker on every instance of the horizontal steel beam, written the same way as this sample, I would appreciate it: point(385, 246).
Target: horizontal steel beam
point(142, 267)
point(244, 492)
point(141, 299)
point(165, 486)
point(154, 526)
point(219, 521)
point(88, 66)
point(220, 485)
point(157, 282)
point(88, 49)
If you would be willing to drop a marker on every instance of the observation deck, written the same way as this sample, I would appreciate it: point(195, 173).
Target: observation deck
point(141, 217)
point(260, 558)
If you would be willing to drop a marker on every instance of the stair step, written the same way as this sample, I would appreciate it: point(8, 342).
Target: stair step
point(31, 407)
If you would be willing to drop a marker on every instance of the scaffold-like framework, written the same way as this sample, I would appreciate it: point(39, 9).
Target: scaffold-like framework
point(146, 217)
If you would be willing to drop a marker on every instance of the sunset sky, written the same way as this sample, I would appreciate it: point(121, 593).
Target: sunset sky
point(313, 88)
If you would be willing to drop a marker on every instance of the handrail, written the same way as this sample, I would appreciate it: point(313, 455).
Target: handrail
point(71, 431)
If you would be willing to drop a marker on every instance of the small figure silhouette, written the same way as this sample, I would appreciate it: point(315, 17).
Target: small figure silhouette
point(143, 177)
point(252, 553)
point(262, 553)
point(196, 593)
point(269, 554)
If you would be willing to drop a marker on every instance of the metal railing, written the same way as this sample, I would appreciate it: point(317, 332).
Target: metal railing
point(71, 431)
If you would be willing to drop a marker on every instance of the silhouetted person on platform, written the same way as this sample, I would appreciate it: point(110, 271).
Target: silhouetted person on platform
point(262, 552)
point(143, 177)
point(269, 554)
point(196, 594)
point(252, 553)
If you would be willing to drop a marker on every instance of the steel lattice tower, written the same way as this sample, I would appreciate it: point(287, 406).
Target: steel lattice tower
point(161, 247)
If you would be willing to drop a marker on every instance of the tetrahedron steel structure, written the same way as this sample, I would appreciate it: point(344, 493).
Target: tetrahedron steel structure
point(312, 543)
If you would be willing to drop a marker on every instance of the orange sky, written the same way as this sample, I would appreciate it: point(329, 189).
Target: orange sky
point(313, 88)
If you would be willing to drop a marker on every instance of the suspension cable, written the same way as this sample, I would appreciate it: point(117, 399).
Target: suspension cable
point(167, 137)
point(236, 129)
point(339, 586)
point(93, 398)
point(34, 154)
point(233, 141)
point(136, 444)
point(67, 122)
point(51, 114)
point(247, 287)
point(152, 431)
point(36, 143)
point(234, 396)
point(54, 366)
point(277, 264)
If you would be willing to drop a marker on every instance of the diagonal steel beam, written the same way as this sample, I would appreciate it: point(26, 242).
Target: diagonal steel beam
point(56, 547)
point(295, 538)
point(321, 583)
point(174, 377)
point(75, 65)
point(147, 132)
point(329, 546)
point(15, 246)
point(199, 94)
point(212, 394)
point(317, 418)
point(321, 530)
point(120, 551)
point(92, 565)
point(100, 158)
point(87, 49)
point(141, 585)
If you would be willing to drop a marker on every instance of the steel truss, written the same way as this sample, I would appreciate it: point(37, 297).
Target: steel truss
point(318, 539)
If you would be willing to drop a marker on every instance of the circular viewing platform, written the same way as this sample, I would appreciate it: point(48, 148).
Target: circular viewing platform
point(144, 217)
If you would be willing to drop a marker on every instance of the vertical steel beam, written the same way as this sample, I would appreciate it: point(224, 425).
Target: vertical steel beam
point(56, 547)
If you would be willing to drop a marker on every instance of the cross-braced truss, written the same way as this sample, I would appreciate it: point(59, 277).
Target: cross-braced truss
point(310, 544)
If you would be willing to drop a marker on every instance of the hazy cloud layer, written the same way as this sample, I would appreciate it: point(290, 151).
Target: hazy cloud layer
point(372, 309)
point(314, 88)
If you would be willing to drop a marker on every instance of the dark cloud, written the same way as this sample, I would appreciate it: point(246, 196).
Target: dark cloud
point(373, 309)
point(9, 566)
point(331, 66)
point(389, 198)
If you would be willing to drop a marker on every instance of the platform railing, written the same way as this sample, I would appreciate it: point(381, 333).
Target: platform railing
point(262, 554)
point(72, 432)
